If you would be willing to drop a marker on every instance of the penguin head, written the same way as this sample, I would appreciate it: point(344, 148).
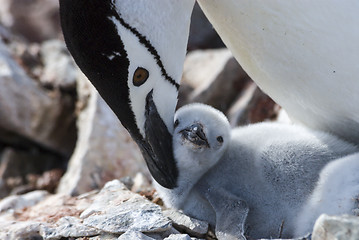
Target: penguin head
point(201, 136)
point(134, 56)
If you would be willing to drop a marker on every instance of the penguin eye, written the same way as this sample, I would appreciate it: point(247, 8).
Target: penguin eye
point(220, 139)
point(176, 123)
point(140, 76)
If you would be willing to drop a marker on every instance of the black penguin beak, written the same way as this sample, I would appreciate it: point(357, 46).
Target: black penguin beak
point(157, 147)
point(195, 135)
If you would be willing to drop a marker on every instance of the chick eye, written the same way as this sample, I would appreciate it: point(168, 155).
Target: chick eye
point(140, 76)
point(220, 139)
point(176, 123)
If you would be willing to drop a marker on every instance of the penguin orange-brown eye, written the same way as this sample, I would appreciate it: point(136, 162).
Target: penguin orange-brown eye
point(220, 139)
point(140, 76)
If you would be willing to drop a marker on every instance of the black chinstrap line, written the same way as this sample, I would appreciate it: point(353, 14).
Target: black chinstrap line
point(148, 45)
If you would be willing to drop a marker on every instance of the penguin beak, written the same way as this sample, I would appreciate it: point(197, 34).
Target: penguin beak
point(157, 147)
point(195, 135)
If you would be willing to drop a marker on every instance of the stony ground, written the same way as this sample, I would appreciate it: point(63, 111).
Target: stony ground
point(111, 213)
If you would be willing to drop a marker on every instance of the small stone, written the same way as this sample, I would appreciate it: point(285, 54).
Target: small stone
point(135, 214)
point(343, 227)
point(22, 201)
point(183, 222)
point(178, 237)
point(134, 235)
point(20, 230)
point(67, 227)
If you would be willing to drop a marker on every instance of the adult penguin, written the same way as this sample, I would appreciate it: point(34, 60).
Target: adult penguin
point(134, 66)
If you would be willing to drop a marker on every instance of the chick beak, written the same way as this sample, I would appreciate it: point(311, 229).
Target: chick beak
point(195, 135)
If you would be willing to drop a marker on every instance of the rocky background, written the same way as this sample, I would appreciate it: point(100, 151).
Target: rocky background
point(60, 143)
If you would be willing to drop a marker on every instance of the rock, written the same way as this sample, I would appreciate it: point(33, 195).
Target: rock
point(113, 191)
point(101, 237)
point(124, 211)
point(336, 228)
point(178, 237)
point(163, 235)
point(20, 230)
point(36, 20)
point(130, 234)
point(260, 108)
point(30, 114)
point(18, 202)
point(187, 224)
point(141, 183)
point(253, 106)
point(53, 208)
point(67, 227)
point(104, 149)
point(60, 70)
point(202, 35)
point(22, 171)
point(215, 77)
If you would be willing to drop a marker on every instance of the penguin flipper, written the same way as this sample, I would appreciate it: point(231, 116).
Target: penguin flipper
point(231, 213)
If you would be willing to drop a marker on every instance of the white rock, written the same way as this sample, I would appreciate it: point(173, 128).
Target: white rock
point(136, 214)
point(184, 222)
point(67, 227)
point(178, 237)
point(60, 69)
point(20, 230)
point(336, 228)
point(104, 149)
point(134, 235)
point(22, 201)
point(116, 209)
point(114, 192)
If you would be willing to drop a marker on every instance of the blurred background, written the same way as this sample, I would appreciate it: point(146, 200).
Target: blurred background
point(56, 132)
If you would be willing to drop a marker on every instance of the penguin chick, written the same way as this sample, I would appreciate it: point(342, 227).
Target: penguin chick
point(266, 172)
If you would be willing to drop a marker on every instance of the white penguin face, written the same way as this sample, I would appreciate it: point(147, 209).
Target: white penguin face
point(145, 75)
point(201, 136)
point(155, 50)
